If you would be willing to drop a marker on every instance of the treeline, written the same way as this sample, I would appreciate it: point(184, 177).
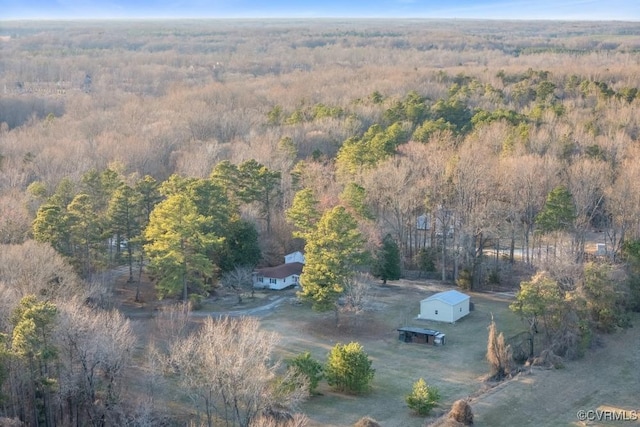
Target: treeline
point(477, 148)
point(190, 230)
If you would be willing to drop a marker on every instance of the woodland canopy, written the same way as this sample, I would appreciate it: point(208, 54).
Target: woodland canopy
point(468, 150)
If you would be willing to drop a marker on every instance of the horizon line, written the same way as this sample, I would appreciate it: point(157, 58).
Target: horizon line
point(303, 17)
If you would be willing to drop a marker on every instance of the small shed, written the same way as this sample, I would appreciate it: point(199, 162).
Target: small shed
point(448, 306)
point(420, 335)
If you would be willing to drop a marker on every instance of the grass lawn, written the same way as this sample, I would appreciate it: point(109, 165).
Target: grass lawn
point(607, 378)
point(456, 368)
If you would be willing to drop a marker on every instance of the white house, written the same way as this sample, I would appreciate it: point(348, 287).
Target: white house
point(446, 306)
point(281, 276)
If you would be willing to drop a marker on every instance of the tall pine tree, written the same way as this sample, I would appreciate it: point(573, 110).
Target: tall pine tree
point(178, 245)
point(332, 251)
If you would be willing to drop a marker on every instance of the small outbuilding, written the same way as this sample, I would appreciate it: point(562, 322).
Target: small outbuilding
point(448, 306)
point(420, 335)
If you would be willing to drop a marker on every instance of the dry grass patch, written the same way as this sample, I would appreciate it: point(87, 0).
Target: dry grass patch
point(606, 377)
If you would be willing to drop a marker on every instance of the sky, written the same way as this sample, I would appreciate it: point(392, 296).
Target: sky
point(625, 10)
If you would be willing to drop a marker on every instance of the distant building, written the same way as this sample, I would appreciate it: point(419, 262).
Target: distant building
point(423, 222)
point(281, 276)
point(446, 306)
point(296, 256)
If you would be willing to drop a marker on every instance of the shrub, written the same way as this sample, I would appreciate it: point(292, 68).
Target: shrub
point(308, 367)
point(348, 368)
point(366, 422)
point(465, 279)
point(494, 277)
point(461, 412)
point(423, 397)
point(274, 418)
point(10, 422)
point(426, 259)
point(196, 301)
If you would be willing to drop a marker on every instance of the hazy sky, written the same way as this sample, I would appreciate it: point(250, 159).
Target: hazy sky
point(628, 10)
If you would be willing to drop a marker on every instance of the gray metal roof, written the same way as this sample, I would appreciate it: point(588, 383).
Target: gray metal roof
point(451, 297)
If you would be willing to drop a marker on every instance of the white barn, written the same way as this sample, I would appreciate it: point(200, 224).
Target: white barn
point(448, 306)
point(281, 276)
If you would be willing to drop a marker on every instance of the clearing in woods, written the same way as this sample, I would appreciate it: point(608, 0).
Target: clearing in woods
point(607, 378)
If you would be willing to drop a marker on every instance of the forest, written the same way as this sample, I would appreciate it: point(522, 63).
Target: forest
point(491, 155)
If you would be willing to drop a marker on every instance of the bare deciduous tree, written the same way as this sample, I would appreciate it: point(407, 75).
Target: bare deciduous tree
point(461, 412)
point(95, 351)
point(33, 268)
point(14, 218)
point(475, 203)
point(623, 203)
point(240, 280)
point(525, 181)
point(228, 371)
point(172, 323)
point(397, 211)
point(498, 353)
point(587, 180)
point(357, 294)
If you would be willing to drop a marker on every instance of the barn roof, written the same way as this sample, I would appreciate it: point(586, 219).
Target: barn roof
point(281, 271)
point(451, 297)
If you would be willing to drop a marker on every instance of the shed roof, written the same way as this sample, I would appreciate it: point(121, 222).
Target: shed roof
point(281, 271)
point(421, 331)
point(451, 297)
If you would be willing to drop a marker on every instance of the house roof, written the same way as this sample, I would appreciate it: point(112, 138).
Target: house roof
point(451, 297)
point(281, 271)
